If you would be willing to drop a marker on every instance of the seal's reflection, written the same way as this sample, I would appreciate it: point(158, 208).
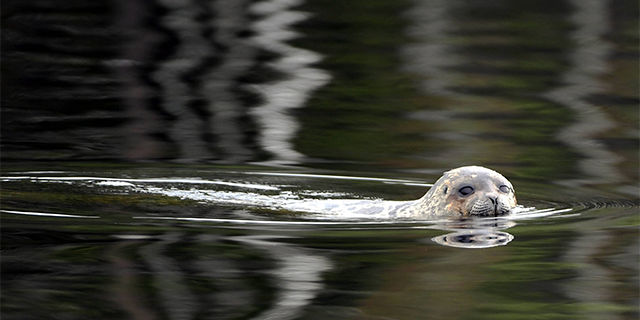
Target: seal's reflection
point(475, 234)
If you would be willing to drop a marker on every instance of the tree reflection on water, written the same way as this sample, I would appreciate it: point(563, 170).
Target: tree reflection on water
point(545, 92)
point(409, 84)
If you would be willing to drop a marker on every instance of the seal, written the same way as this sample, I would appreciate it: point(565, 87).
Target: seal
point(463, 192)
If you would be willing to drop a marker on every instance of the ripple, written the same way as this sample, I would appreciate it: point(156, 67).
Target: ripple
point(123, 181)
point(44, 214)
point(607, 203)
point(338, 177)
point(522, 213)
point(314, 212)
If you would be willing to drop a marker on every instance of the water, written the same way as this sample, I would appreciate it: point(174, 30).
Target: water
point(171, 159)
point(219, 243)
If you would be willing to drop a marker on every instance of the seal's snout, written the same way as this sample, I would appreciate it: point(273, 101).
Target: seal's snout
point(489, 205)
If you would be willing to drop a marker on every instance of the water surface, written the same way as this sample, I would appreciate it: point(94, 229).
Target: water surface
point(218, 242)
point(160, 158)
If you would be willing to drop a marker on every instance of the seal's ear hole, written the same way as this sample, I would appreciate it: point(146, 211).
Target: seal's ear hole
point(505, 188)
point(466, 190)
point(445, 190)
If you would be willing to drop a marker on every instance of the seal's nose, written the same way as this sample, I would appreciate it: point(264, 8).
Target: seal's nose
point(494, 201)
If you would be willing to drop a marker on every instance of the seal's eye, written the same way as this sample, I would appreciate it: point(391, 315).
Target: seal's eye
point(465, 191)
point(505, 189)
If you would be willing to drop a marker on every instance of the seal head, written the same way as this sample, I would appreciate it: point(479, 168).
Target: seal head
point(468, 192)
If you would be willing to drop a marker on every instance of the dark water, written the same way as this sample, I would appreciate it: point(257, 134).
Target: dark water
point(152, 151)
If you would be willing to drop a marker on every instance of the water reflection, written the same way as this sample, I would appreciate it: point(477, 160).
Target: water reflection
point(169, 279)
point(591, 285)
point(545, 91)
point(475, 234)
point(488, 232)
point(273, 32)
point(139, 41)
point(175, 77)
point(431, 57)
point(589, 62)
point(167, 257)
point(172, 275)
point(202, 80)
point(421, 85)
point(294, 280)
point(298, 276)
point(220, 87)
point(474, 239)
